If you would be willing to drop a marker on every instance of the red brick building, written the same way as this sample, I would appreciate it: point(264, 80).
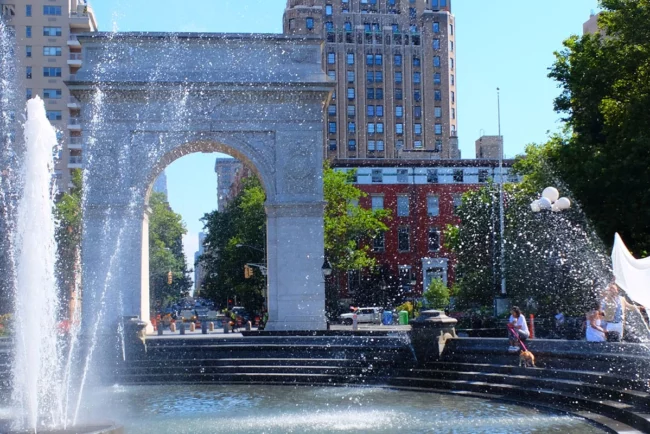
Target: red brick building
point(422, 196)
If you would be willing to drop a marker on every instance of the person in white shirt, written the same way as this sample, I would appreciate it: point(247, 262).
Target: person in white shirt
point(517, 324)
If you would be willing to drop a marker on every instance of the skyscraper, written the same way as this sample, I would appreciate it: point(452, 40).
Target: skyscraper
point(226, 170)
point(49, 53)
point(394, 62)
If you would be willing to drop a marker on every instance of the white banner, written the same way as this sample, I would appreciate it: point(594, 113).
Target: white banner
point(632, 275)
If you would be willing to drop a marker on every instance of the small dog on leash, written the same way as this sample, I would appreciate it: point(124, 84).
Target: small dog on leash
point(527, 359)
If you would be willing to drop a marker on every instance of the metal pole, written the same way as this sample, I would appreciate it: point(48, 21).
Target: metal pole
point(501, 210)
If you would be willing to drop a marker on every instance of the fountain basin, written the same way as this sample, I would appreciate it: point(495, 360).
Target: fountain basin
point(79, 429)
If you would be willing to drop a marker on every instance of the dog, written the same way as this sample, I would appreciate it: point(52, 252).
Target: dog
point(526, 358)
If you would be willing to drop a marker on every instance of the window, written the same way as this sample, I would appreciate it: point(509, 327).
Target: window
point(379, 76)
point(483, 175)
point(453, 113)
point(379, 242)
point(332, 144)
point(436, 27)
point(371, 128)
point(403, 239)
point(451, 45)
point(309, 22)
point(352, 127)
point(370, 77)
point(52, 94)
point(28, 93)
point(436, 44)
point(398, 77)
point(370, 111)
point(437, 78)
point(350, 75)
point(370, 93)
point(433, 203)
point(438, 129)
point(380, 128)
point(331, 74)
point(434, 240)
point(352, 145)
point(458, 175)
point(377, 202)
point(380, 147)
point(28, 31)
point(438, 112)
point(437, 95)
point(417, 112)
point(379, 93)
point(51, 31)
point(54, 115)
point(436, 61)
point(328, 10)
point(51, 10)
point(399, 111)
point(451, 63)
point(350, 58)
point(51, 51)
point(331, 110)
point(370, 59)
point(398, 94)
point(416, 61)
point(329, 27)
point(402, 175)
point(377, 175)
point(451, 29)
point(417, 96)
point(331, 58)
point(438, 146)
point(379, 110)
point(28, 51)
point(453, 97)
point(399, 128)
point(350, 93)
point(28, 10)
point(398, 60)
point(371, 146)
point(28, 72)
point(402, 205)
point(417, 144)
point(453, 80)
point(292, 24)
point(378, 59)
point(332, 127)
point(432, 176)
point(418, 129)
point(351, 111)
point(348, 26)
point(458, 201)
point(417, 77)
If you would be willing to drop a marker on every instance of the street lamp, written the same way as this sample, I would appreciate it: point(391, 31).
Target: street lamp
point(550, 200)
point(326, 268)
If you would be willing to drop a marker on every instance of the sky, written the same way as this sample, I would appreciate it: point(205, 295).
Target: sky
point(507, 44)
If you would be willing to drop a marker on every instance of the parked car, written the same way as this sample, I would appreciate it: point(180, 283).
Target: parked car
point(364, 315)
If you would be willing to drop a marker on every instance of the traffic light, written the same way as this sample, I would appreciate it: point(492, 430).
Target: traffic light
point(169, 278)
point(248, 272)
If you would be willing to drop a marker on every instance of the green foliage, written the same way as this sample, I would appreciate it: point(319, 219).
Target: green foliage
point(437, 294)
point(166, 230)
point(5, 324)
point(243, 221)
point(605, 101)
point(408, 306)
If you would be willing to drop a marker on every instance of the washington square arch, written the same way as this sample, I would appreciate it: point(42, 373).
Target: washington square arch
point(148, 99)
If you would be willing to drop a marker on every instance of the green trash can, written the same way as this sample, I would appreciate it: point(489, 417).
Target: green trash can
point(403, 317)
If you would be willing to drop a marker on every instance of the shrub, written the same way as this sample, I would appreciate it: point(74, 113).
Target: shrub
point(437, 294)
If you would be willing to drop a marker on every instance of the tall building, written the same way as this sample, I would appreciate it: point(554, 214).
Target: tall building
point(226, 169)
point(199, 273)
point(591, 25)
point(489, 147)
point(160, 184)
point(394, 62)
point(49, 53)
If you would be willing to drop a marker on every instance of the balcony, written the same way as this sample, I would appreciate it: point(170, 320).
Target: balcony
point(74, 124)
point(73, 41)
point(75, 59)
point(75, 142)
point(73, 103)
point(83, 20)
point(76, 162)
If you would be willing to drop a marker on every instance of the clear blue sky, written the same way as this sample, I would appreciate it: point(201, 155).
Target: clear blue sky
point(500, 43)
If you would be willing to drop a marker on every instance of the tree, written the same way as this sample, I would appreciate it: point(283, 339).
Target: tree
point(605, 101)
point(68, 213)
point(242, 222)
point(166, 230)
point(437, 294)
point(349, 230)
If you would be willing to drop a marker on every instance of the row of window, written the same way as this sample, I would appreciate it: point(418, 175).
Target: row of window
point(404, 240)
point(378, 59)
point(47, 51)
point(378, 145)
point(433, 176)
point(403, 207)
point(47, 10)
point(47, 31)
point(378, 93)
point(378, 127)
point(47, 72)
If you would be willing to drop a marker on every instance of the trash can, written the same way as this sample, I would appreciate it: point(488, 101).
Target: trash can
point(387, 317)
point(403, 318)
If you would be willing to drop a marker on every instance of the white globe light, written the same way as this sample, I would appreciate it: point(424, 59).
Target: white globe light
point(563, 203)
point(535, 206)
point(545, 203)
point(555, 208)
point(551, 194)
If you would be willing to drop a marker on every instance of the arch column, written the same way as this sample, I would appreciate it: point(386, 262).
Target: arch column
point(295, 256)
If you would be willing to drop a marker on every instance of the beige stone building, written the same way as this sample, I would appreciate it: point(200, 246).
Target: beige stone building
point(591, 25)
point(489, 147)
point(48, 54)
point(395, 65)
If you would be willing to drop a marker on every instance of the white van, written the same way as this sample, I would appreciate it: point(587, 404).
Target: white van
point(364, 315)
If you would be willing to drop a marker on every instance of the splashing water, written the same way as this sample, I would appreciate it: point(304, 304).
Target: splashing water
point(36, 381)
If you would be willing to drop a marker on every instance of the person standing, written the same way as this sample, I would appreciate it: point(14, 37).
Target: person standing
point(614, 305)
point(518, 327)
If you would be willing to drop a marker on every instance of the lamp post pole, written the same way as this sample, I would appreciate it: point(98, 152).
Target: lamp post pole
point(501, 207)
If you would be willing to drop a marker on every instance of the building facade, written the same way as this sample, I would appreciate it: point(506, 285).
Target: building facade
point(489, 147)
point(591, 25)
point(395, 66)
point(226, 170)
point(48, 54)
point(199, 273)
point(160, 184)
point(422, 198)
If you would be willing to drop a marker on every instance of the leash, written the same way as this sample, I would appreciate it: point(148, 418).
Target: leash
point(514, 332)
